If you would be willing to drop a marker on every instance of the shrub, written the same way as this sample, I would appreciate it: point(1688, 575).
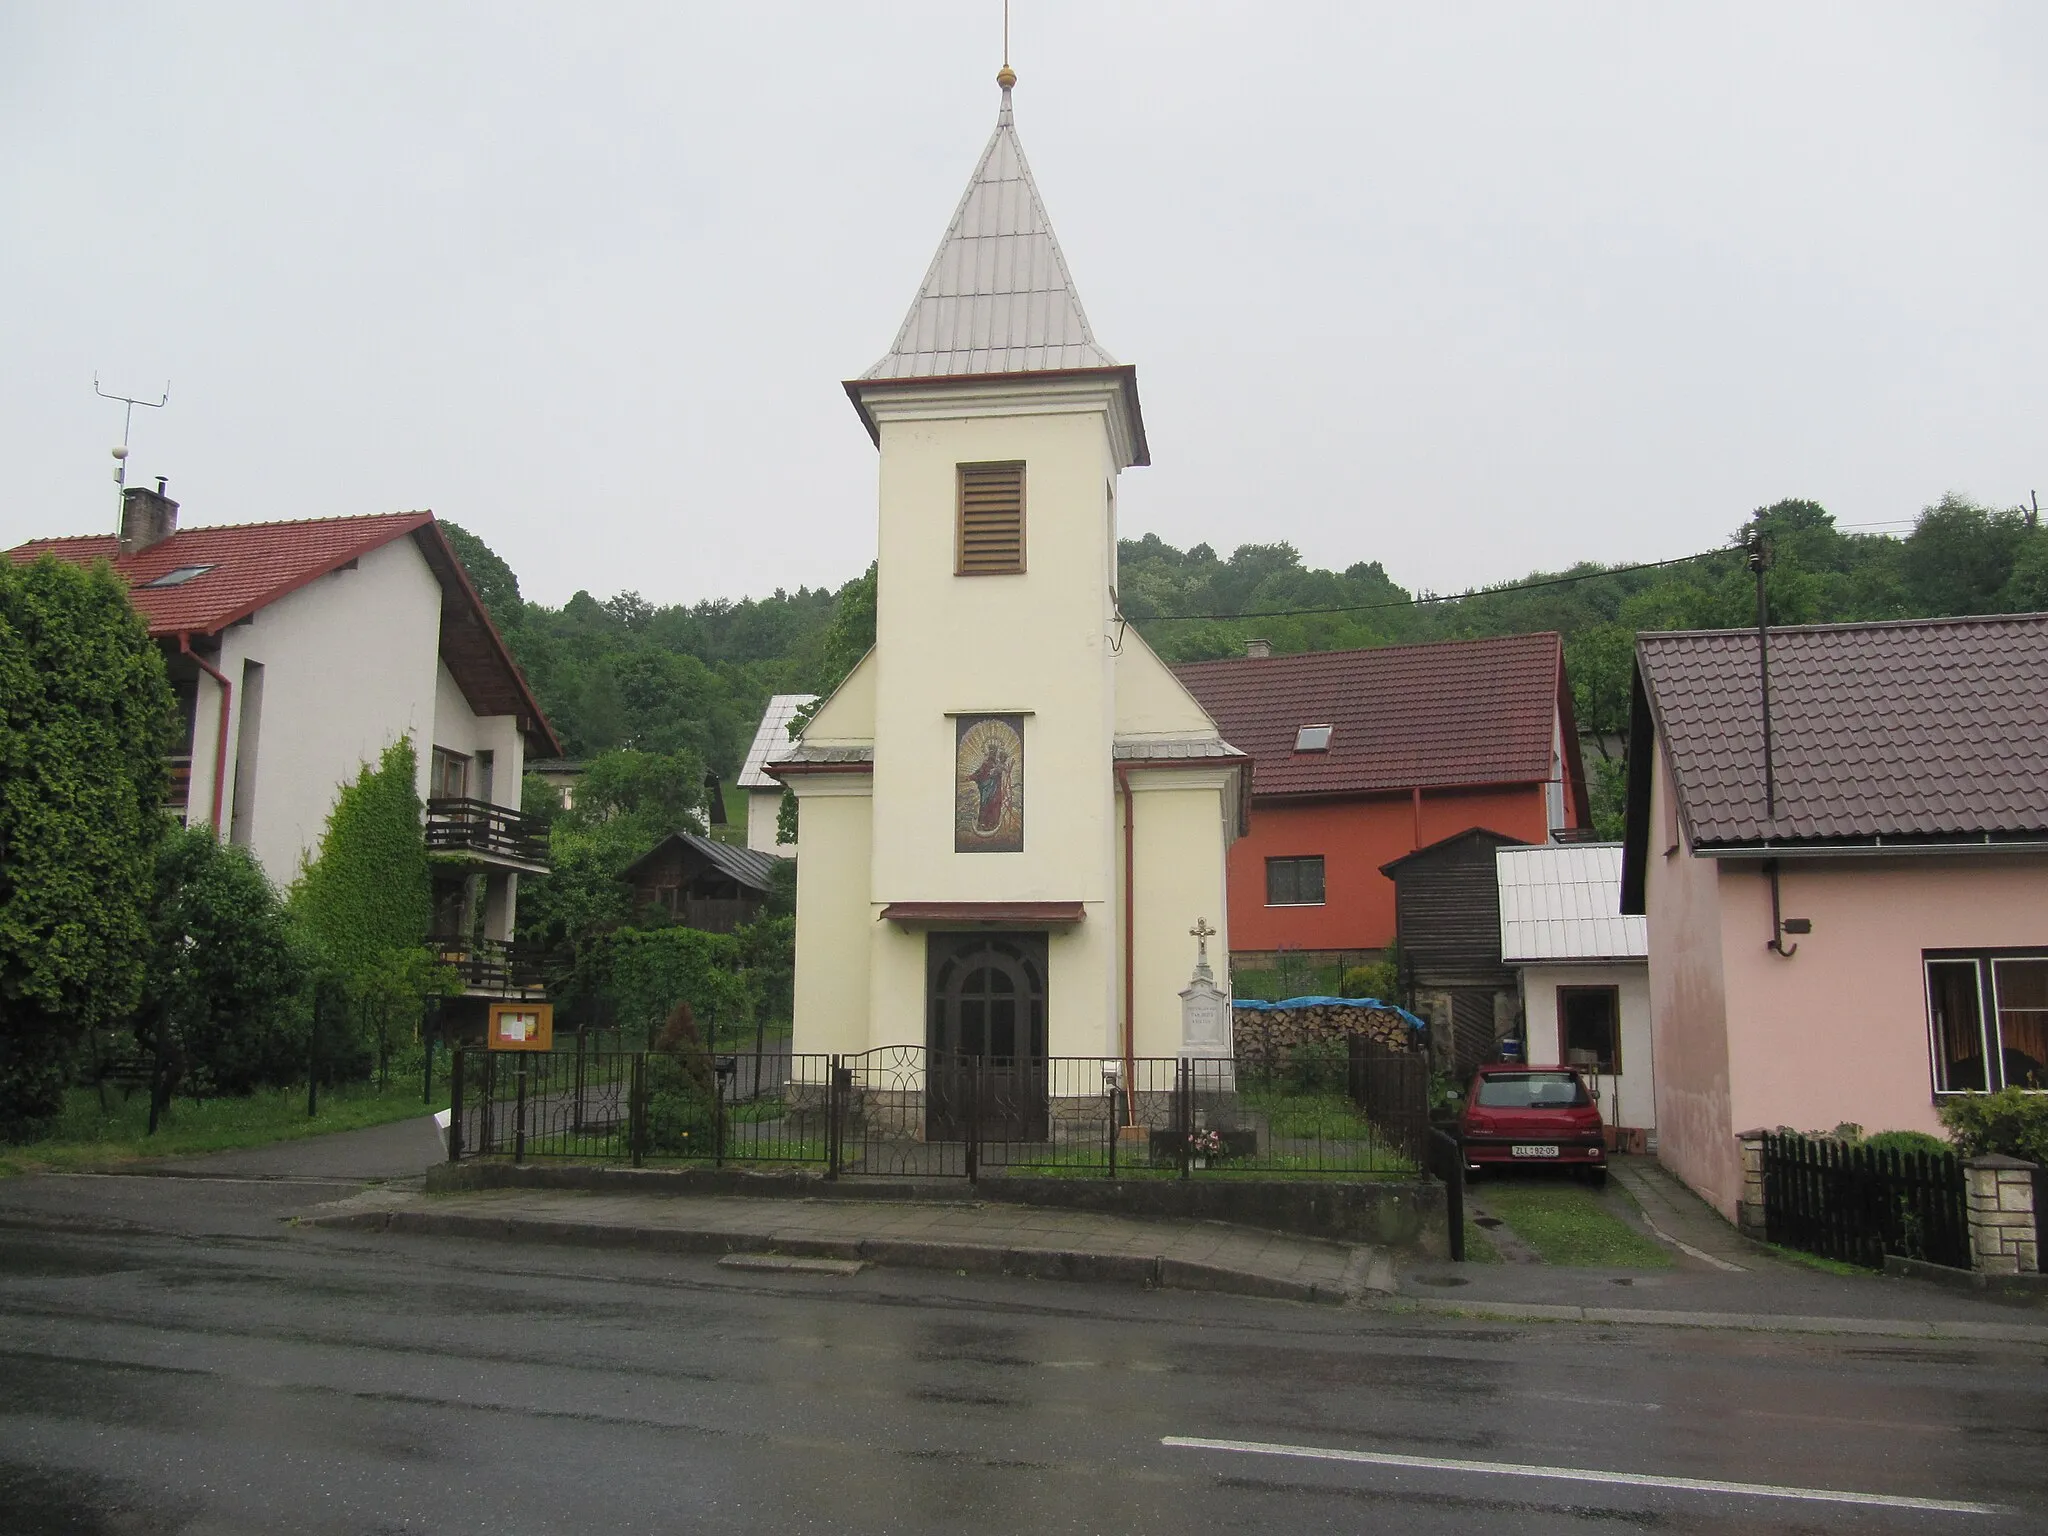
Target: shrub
point(1908, 1141)
point(226, 969)
point(768, 952)
point(2013, 1123)
point(1318, 1066)
point(1381, 981)
point(648, 972)
point(682, 1090)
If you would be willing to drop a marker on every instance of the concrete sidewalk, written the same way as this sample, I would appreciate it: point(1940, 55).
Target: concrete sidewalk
point(957, 1235)
point(1008, 1239)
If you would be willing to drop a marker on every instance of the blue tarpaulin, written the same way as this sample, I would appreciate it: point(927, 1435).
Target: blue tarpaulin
point(1326, 1002)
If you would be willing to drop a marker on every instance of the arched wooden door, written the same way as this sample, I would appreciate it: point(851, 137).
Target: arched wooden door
point(985, 1036)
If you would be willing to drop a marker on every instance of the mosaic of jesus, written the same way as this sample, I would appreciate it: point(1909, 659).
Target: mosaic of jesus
point(988, 784)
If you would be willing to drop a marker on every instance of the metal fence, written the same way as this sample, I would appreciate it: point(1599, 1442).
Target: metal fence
point(905, 1112)
point(1857, 1204)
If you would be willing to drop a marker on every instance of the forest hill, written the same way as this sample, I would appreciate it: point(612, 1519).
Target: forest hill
point(693, 679)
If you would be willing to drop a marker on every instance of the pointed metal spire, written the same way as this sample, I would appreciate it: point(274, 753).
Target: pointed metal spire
point(998, 298)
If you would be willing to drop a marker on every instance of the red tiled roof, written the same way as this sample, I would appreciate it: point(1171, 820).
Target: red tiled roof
point(255, 564)
point(1461, 712)
point(1925, 729)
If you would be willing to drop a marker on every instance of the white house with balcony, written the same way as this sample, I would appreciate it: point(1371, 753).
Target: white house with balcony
point(298, 652)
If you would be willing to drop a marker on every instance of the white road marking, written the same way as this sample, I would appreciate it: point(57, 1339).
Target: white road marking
point(1587, 1475)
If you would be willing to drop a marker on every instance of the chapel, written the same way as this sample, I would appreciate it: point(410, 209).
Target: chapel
point(1013, 816)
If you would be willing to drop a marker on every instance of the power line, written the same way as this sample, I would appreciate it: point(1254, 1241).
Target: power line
point(1450, 597)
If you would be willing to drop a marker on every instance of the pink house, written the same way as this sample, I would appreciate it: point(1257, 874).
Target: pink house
point(1863, 930)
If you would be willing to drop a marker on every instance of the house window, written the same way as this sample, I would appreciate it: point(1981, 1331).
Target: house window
point(1312, 738)
point(448, 778)
point(1988, 1021)
point(1294, 882)
point(991, 533)
point(1589, 1027)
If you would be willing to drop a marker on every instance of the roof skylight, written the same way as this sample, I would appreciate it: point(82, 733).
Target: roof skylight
point(178, 577)
point(1312, 738)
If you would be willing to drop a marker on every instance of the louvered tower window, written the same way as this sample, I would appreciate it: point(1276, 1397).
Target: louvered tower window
point(991, 520)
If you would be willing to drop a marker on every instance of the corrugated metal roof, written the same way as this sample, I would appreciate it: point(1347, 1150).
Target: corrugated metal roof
point(1456, 712)
point(1563, 902)
point(1927, 729)
point(771, 739)
point(998, 298)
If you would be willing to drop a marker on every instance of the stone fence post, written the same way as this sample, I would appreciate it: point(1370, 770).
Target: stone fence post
point(1749, 1209)
point(2003, 1237)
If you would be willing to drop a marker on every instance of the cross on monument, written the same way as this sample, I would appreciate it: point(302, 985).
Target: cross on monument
point(1202, 933)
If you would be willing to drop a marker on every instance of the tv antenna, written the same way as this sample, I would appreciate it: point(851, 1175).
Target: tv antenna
point(121, 453)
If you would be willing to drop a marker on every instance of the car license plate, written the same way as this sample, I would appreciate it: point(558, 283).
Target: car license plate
point(1533, 1151)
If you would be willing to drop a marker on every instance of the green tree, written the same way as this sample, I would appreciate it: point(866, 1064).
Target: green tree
point(648, 972)
point(1960, 557)
point(626, 802)
point(85, 720)
point(492, 577)
point(366, 903)
point(227, 971)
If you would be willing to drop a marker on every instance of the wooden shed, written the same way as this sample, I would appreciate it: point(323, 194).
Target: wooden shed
point(700, 883)
point(1447, 919)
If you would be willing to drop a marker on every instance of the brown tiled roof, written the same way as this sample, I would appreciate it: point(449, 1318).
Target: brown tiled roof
point(1928, 729)
point(249, 566)
point(1462, 712)
point(252, 564)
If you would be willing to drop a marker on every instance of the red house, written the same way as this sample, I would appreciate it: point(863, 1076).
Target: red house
point(1360, 757)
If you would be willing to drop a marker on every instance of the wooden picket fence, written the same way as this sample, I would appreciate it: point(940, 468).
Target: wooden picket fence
point(1857, 1204)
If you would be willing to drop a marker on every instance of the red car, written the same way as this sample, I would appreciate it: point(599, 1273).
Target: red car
point(1532, 1117)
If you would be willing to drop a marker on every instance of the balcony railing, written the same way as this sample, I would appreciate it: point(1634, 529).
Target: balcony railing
point(479, 827)
point(180, 789)
point(490, 965)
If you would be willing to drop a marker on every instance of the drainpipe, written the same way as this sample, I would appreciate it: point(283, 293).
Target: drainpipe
point(1123, 779)
point(220, 746)
point(1415, 807)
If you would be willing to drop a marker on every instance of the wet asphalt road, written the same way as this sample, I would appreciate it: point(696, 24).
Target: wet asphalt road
point(175, 1358)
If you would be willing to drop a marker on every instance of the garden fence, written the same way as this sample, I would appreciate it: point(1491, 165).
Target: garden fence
point(1857, 1204)
point(905, 1112)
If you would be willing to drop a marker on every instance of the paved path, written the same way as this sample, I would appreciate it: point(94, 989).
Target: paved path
point(403, 1149)
point(985, 1239)
point(1681, 1218)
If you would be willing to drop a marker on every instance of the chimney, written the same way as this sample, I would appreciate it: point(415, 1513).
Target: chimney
point(147, 517)
point(1257, 649)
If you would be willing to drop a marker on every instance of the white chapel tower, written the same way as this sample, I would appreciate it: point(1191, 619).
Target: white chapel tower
point(968, 796)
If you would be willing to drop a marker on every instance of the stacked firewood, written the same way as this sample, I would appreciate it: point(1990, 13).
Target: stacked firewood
point(1267, 1029)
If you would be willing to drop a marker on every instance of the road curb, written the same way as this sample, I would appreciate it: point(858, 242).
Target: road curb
point(1744, 1322)
point(1149, 1272)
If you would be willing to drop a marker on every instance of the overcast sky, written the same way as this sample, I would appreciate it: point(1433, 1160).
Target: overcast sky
point(1466, 289)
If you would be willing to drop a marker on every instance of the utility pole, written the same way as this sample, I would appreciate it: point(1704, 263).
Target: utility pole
point(1760, 562)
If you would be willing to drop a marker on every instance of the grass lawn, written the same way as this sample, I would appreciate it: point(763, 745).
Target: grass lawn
point(1479, 1247)
point(87, 1137)
point(1817, 1261)
point(1568, 1224)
